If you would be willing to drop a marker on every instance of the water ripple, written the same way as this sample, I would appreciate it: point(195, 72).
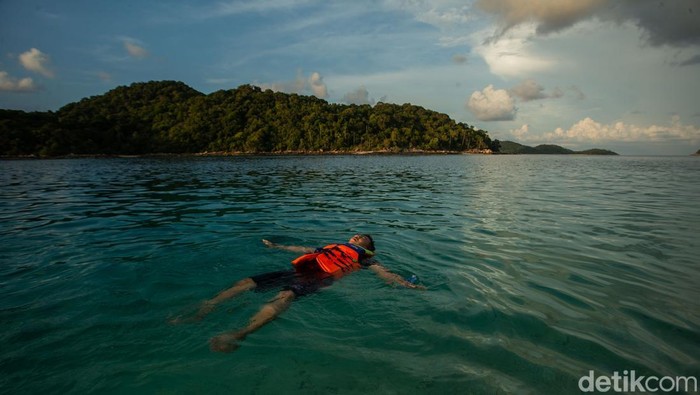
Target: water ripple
point(539, 269)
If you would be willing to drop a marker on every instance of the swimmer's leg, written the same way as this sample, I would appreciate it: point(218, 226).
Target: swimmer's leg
point(208, 306)
point(227, 342)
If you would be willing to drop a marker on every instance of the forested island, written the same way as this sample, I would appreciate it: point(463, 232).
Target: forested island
point(171, 117)
point(509, 147)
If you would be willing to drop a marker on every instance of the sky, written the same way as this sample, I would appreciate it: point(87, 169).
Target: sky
point(622, 75)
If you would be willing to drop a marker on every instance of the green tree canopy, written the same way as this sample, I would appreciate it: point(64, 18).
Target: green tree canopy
point(171, 117)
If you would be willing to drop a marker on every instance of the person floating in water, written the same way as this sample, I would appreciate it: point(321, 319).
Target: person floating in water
point(316, 269)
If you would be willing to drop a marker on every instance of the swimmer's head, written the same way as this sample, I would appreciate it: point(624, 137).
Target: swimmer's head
point(363, 240)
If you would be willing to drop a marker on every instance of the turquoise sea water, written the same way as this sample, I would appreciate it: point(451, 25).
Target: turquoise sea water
point(538, 268)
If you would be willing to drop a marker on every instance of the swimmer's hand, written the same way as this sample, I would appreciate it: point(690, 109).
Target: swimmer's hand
point(392, 278)
point(268, 243)
point(415, 286)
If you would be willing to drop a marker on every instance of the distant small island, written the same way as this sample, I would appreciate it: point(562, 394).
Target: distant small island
point(697, 153)
point(513, 148)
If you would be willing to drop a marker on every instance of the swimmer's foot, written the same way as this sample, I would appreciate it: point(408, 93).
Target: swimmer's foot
point(227, 342)
point(205, 309)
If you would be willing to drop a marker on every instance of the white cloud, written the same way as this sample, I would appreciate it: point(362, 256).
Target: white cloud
point(300, 85)
point(37, 61)
point(492, 105)
point(512, 54)
point(135, 50)
point(521, 133)
point(529, 90)
point(443, 14)
point(230, 8)
point(358, 96)
point(10, 84)
point(557, 93)
point(444, 18)
point(590, 130)
point(285, 86)
point(455, 41)
point(318, 87)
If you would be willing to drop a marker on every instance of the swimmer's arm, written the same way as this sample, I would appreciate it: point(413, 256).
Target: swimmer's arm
point(392, 278)
point(300, 249)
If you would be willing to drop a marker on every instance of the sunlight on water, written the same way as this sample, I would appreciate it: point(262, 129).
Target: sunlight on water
point(538, 268)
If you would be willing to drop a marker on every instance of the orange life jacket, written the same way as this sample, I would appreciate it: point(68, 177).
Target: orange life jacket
point(334, 258)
